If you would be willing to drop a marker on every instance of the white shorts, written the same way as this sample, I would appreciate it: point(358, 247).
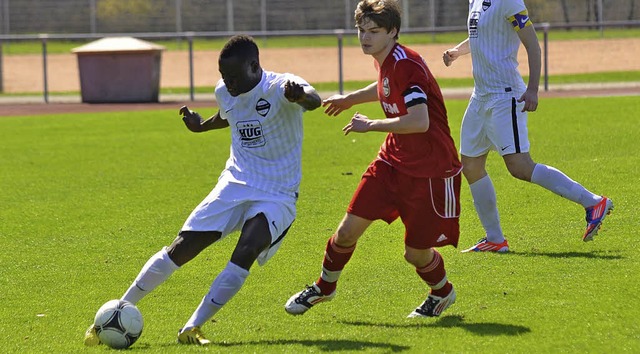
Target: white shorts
point(229, 205)
point(495, 124)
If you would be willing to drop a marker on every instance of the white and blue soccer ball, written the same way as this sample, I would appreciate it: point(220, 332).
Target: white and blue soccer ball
point(118, 324)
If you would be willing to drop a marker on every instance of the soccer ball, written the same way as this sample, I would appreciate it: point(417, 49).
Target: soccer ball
point(118, 324)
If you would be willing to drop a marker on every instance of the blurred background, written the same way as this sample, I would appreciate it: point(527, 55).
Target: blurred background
point(122, 16)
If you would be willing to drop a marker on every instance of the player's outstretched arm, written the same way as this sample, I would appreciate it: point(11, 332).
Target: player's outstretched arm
point(415, 121)
point(305, 96)
point(338, 103)
point(196, 124)
point(454, 53)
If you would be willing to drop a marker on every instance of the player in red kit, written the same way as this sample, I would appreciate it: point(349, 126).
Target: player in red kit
point(416, 175)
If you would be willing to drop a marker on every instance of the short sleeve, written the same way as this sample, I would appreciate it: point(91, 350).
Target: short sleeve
point(413, 81)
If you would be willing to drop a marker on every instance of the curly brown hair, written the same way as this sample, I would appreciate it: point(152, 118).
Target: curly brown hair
point(384, 13)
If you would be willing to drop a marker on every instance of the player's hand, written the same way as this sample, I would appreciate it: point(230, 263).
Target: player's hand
point(336, 104)
point(530, 99)
point(449, 56)
point(191, 119)
point(294, 92)
point(359, 124)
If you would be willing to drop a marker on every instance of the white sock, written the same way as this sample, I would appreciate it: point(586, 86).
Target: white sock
point(560, 184)
point(485, 202)
point(224, 287)
point(157, 269)
point(330, 276)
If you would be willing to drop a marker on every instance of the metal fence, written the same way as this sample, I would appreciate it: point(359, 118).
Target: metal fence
point(339, 34)
point(126, 16)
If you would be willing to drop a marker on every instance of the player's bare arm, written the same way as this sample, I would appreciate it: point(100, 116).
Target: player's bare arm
point(336, 104)
point(305, 96)
point(454, 53)
point(532, 46)
point(415, 121)
point(196, 124)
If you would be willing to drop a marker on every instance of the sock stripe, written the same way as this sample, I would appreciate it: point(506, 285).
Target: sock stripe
point(431, 266)
point(339, 249)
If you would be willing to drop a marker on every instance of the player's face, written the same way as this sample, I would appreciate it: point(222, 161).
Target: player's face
point(239, 75)
point(375, 40)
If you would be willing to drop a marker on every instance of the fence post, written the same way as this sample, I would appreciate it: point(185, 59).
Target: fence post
point(178, 16)
point(340, 34)
point(348, 14)
point(191, 88)
point(263, 15)
point(545, 49)
point(92, 16)
point(44, 68)
point(230, 26)
point(600, 19)
point(5, 18)
point(1, 78)
point(405, 15)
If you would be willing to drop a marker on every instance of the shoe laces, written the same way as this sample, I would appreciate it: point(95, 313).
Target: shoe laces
point(308, 292)
point(428, 305)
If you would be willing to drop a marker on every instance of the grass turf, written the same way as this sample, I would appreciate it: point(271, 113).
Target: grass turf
point(87, 199)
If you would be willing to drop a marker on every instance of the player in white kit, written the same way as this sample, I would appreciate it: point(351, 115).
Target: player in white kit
point(496, 117)
point(257, 191)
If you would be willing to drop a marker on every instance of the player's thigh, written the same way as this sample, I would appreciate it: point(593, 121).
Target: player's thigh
point(188, 244)
point(350, 229)
point(267, 222)
point(474, 168)
point(223, 210)
point(431, 213)
point(473, 135)
point(508, 126)
point(374, 197)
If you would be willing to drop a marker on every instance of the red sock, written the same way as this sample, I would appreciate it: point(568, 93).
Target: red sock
point(335, 258)
point(435, 276)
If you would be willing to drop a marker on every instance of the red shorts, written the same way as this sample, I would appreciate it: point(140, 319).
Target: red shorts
point(428, 207)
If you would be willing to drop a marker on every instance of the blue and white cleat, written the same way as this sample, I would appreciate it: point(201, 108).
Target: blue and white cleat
point(485, 245)
point(595, 217)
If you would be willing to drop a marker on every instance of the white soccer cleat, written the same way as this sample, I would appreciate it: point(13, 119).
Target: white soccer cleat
point(304, 300)
point(434, 305)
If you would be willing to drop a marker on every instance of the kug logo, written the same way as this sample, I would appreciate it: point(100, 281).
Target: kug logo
point(263, 107)
point(251, 133)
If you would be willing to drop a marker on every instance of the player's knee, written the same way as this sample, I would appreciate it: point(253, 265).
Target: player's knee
point(418, 258)
point(345, 237)
point(520, 171)
point(520, 165)
point(473, 171)
point(247, 251)
point(189, 244)
point(519, 175)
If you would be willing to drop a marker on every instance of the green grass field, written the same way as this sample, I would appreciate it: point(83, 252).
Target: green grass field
point(86, 199)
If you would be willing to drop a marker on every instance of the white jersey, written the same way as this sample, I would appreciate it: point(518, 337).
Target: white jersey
point(494, 43)
point(266, 138)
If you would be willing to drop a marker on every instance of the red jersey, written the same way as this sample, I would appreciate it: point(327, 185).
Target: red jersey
point(404, 80)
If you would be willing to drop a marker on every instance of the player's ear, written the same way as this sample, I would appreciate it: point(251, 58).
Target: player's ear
point(393, 33)
point(255, 66)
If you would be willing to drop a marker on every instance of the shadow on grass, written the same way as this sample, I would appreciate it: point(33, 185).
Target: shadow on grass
point(454, 321)
point(592, 254)
point(322, 345)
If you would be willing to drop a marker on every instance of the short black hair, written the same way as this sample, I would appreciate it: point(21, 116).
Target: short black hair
point(241, 46)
